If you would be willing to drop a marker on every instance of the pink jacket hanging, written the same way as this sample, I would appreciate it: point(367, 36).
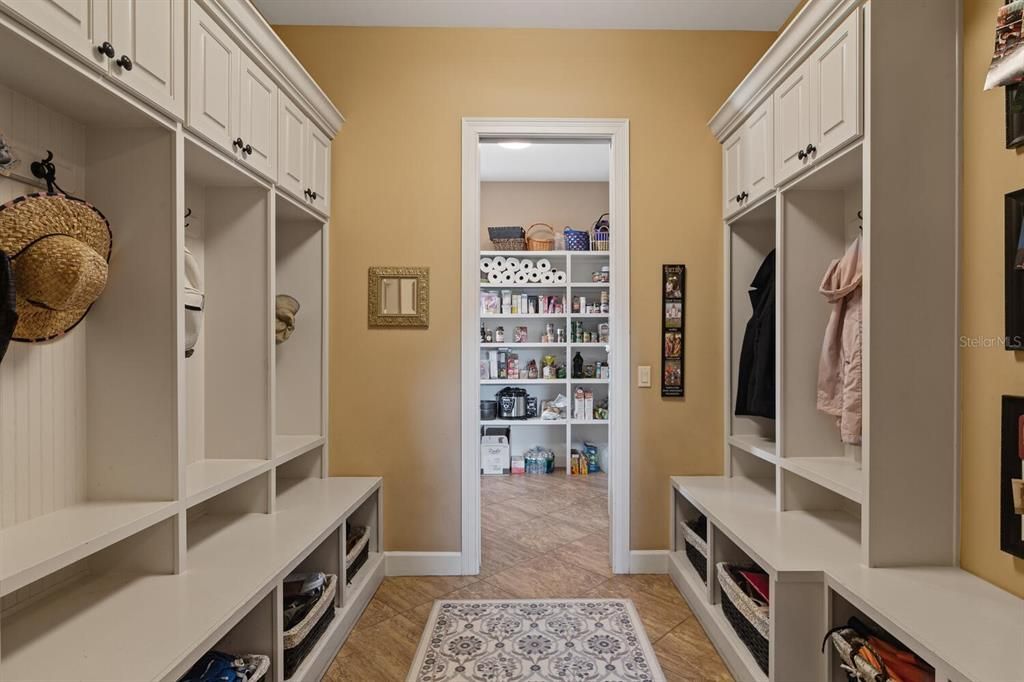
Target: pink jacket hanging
point(839, 369)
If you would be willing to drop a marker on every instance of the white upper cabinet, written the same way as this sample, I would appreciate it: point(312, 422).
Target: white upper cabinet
point(835, 84)
point(732, 182)
point(213, 67)
point(257, 119)
point(319, 155)
point(794, 131)
point(78, 25)
point(291, 148)
point(757, 170)
point(148, 37)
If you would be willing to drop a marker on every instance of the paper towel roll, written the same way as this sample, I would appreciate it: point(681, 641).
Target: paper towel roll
point(494, 277)
point(512, 264)
point(534, 275)
point(547, 278)
point(486, 264)
point(522, 277)
point(544, 265)
point(508, 277)
point(526, 265)
point(498, 264)
point(560, 278)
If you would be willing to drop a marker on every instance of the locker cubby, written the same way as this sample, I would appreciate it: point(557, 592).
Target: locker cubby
point(227, 377)
point(254, 633)
point(684, 512)
point(298, 469)
point(365, 515)
point(299, 391)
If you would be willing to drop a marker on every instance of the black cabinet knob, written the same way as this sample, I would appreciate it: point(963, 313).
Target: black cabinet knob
point(106, 49)
point(308, 193)
point(738, 198)
point(810, 149)
point(238, 144)
point(247, 149)
point(743, 196)
point(124, 62)
point(801, 155)
point(313, 195)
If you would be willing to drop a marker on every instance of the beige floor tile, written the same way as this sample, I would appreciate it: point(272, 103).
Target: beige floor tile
point(659, 616)
point(582, 516)
point(686, 655)
point(480, 590)
point(376, 612)
point(545, 578)
point(543, 536)
point(590, 552)
point(394, 640)
point(499, 553)
point(408, 592)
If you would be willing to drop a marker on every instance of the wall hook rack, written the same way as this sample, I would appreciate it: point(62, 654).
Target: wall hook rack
point(45, 169)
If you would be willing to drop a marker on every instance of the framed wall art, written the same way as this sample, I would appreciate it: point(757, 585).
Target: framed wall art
point(1011, 478)
point(673, 333)
point(398, 297)
point(1013, 270)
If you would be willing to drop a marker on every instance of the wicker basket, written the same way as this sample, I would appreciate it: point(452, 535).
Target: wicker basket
point(507, 238)
point(535, 243)
point(262, 666)
point(356, 553)
point(696, 550)
point(300, 631)
point(294, 657)
point(748, 620)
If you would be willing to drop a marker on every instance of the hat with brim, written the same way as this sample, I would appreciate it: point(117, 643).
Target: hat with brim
point(59, 247)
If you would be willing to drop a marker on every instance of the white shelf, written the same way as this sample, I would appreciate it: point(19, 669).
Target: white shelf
point(590, 381)
point(82, 631)
point(838, 474)
point(523, 422)
point(590, 285)
point(520, 316)
point(527, 254)
point(590, 345)
point(529, 285)
point(759, 446)
point(793, 541)
point(290, 447)
point(528, 382)
point(36, 548)
point(589, 316)
point(209, 477)
point(522, 345)
point(590, 422)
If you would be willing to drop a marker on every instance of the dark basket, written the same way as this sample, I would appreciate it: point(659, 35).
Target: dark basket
point(357, 563)
point(699, 561)
point(748, 634)
point(294, 657)
point(507, 238)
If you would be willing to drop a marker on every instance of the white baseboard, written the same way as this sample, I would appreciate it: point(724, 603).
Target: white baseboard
point(648, 561)
point(422, 563)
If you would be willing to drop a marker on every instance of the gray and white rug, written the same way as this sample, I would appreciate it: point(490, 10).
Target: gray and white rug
point(529, 640)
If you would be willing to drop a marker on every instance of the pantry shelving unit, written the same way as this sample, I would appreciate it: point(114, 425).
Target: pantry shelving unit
point(152, 504)
point(576, 265)
point(870, 529)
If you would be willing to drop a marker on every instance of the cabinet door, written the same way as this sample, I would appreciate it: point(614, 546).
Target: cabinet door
point(257, 119)
point(78, 25)
point(835, 85)
point(758, 171)
point(732, 173)
point(319, 176)
point(793, 129)
point(212, 80)
point(291, 148)
point(149, 40)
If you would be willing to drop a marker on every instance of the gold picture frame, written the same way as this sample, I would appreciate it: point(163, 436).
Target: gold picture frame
point(398, 297)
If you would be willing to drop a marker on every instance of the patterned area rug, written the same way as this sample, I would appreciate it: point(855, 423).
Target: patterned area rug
point(525, 640)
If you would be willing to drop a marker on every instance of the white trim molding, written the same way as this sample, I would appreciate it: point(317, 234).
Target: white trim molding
point(648, 561)
point(422, 563)
point(616, 132)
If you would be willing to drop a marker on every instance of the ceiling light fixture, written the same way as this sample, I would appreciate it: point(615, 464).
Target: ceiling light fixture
point(513, 145)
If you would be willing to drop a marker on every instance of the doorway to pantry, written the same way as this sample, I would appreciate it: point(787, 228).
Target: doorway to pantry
point(545, 347)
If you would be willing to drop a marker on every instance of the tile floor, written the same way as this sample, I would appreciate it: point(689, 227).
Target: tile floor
point(543, 537)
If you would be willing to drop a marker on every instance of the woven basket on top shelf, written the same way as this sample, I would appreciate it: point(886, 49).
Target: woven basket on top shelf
point(748, 620)
point(540, 239)
point(507, 238)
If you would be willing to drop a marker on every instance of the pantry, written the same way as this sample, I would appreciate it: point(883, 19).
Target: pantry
point(546, 279)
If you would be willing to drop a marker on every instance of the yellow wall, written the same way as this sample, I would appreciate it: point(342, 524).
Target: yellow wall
point(396, 201)
point(990, 170)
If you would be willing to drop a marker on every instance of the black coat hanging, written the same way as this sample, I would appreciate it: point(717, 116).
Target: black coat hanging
point(755, 386)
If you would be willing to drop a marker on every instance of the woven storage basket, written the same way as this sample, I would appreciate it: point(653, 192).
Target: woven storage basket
point(357, 555)
point(696, 551)
point(576, 240)
point(294, 657)
point(301, 630)
point(536, 243)
point(507, 238)
point(263, 665)
point(749, 621)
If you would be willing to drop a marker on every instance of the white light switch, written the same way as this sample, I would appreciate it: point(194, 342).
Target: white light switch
point(643, 376)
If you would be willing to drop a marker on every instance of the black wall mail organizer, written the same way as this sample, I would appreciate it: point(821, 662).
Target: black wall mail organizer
point(673, 337)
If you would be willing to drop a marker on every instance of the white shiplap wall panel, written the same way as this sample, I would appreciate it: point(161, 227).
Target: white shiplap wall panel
point(42, 386)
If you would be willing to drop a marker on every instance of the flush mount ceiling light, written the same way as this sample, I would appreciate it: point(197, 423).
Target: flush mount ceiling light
point(513, 145)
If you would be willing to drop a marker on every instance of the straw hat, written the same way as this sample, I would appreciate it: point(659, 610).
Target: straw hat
point(60, 247)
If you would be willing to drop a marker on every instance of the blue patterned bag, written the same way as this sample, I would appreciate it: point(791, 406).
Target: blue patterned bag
point(576, 240)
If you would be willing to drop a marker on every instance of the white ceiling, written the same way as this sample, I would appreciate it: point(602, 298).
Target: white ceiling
point(744, 15)
point(545, 162)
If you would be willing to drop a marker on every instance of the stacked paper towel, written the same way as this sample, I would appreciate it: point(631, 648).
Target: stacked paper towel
point(501, 270)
